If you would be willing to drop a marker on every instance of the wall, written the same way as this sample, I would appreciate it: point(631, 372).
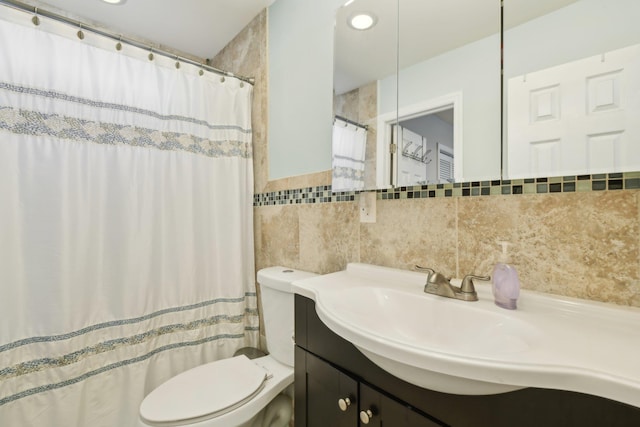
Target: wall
point(433, 128)
point(584, 245)
point(579, 242)
point(301, 69)
point(246, 55)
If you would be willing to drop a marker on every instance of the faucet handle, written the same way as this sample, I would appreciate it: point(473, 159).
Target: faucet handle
point(467, 282)
point(431, 271)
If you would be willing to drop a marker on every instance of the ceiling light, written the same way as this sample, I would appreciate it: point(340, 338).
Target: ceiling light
point(362, 20)
point(114, 1)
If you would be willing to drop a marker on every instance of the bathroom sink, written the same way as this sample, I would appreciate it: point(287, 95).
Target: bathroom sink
point(477, 348)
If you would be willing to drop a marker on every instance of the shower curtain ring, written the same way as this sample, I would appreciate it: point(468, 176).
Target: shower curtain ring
point(177, 62)
point(150, 56)
point(201, 72)
point(119, 44)
point(80, 33)
point(35, 19)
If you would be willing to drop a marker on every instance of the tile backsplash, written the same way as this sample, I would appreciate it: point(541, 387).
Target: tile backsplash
point(579, 244)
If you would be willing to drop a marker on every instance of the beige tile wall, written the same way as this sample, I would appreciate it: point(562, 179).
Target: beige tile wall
point(585, 245)
point(246, 55)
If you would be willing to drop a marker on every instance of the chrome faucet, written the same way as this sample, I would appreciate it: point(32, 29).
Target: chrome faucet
point(437, 284)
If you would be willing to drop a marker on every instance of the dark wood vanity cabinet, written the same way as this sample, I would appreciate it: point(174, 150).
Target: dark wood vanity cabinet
point(386, 411)
point(334, 398)
point(325, 387)
point(328, 395)
point(329, 368)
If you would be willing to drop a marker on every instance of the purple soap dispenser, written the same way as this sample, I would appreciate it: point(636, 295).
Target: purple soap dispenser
point(505, 281)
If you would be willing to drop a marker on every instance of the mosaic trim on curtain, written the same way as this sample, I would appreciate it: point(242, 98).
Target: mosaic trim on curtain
point(350, 174)
point(63, 127)
point(111, 106)
point(249, 318)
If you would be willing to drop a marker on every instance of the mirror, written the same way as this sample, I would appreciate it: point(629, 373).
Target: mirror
point(362, 58)
point(442, 108)
point(571, 87)
point(300, 81)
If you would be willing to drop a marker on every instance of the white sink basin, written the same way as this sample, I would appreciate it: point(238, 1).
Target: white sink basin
point(464, 347)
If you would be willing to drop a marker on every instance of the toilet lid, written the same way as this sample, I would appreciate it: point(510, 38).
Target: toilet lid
point(204, 391)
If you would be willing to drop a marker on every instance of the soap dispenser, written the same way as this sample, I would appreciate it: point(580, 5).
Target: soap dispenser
point(505, 281)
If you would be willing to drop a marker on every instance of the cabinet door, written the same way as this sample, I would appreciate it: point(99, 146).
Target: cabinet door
point(378, 410)
point(331, 396)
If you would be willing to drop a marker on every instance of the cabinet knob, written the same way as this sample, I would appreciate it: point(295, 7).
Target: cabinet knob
point(344, 404)
point(365, 416)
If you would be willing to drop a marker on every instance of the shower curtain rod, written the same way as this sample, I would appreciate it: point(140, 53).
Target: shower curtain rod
point(351, 122)
point(37, 11)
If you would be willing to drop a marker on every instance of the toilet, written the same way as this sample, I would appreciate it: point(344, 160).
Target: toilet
point(238, 391)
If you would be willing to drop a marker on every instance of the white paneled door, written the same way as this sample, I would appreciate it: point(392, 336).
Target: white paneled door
point(582, 117)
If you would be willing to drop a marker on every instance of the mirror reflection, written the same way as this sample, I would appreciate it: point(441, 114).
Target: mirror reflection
point(448, 55)
point(348, 148)
point(572, 87)
point(437, 136)
point(426, 149)
point(362, 57)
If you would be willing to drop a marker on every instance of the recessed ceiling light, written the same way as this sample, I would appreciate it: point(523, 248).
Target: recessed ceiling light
point(362, 20)
point(114, 1)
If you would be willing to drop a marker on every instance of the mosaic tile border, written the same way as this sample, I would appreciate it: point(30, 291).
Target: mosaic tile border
point(306, 195)
point(558, 184)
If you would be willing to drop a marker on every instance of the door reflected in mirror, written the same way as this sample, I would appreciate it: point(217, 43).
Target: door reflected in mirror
point(572, 88)
point(437, 125)
point(425, 154)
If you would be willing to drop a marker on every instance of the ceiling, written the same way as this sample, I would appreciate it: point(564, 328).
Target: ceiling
point(198, 28)
point(427, 28)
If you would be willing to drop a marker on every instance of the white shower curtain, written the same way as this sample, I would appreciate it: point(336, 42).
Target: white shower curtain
point(348, 153)
point(126, 228)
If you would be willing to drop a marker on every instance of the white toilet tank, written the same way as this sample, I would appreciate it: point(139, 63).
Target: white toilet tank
point(278, 310)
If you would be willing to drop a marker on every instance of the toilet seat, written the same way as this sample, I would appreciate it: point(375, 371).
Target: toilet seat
point(204, 392)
